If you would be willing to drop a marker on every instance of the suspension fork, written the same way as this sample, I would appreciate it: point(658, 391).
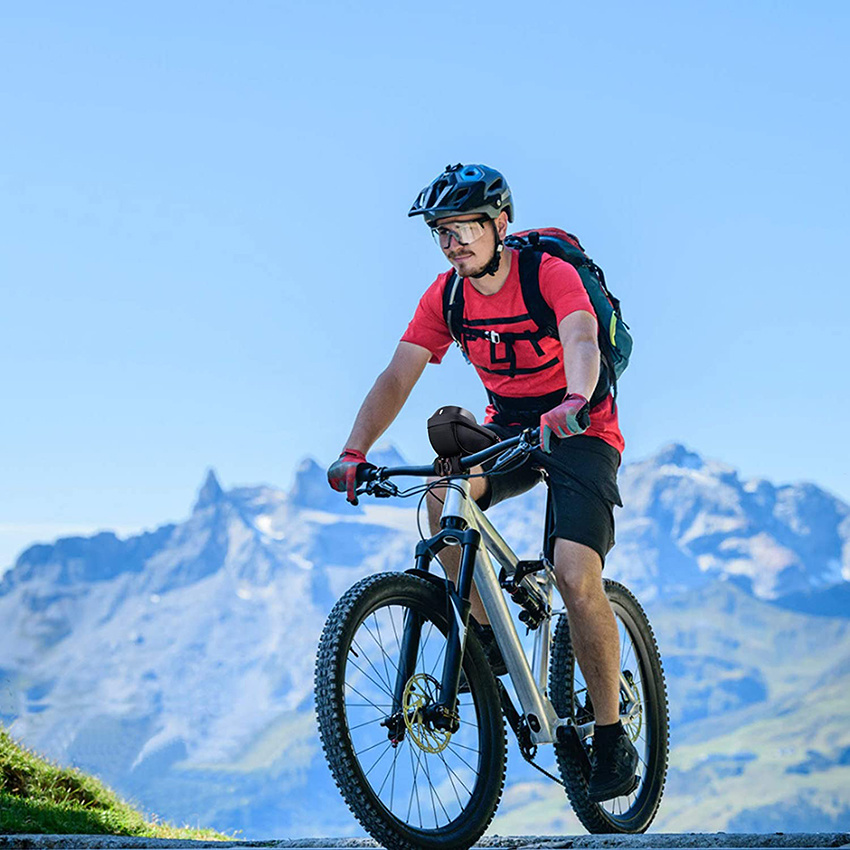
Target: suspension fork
point(457, 612)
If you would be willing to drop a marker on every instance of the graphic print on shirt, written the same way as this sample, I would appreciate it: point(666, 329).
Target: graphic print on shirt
point(538, 369)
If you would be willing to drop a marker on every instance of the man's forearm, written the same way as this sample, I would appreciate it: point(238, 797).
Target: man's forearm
point(379, 409)
point(581, 365)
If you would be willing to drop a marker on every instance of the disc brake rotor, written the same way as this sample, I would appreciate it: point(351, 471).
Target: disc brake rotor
point(420, 692)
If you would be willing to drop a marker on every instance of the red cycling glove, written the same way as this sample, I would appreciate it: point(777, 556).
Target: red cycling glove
point(342, 474)
point(569, 418)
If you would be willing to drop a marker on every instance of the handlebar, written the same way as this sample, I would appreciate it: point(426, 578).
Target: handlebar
point(506, 450)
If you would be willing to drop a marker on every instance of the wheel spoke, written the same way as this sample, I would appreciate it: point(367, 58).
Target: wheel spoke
point(459, 757)
point(433, 792)
point(416, 784)
point(386, 686)
point(468, 791)
point(372, 747)
point(379, 706)
point(380, 645)
point(366, 675)
point(387, 776)
point(375, 763)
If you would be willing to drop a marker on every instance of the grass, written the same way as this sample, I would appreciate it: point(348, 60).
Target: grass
point(39, 797)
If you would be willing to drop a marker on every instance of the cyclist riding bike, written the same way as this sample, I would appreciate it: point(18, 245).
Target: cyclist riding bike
point(531, 381)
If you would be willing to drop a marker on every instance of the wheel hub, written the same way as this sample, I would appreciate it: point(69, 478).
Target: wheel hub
point(632, 710)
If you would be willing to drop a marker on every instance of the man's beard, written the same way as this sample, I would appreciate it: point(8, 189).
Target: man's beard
point(472, 271)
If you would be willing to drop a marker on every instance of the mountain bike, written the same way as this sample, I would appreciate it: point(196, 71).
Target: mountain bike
point(411, 715)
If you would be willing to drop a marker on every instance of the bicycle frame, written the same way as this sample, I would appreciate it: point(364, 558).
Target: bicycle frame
point(465, 525)
point(530, 682)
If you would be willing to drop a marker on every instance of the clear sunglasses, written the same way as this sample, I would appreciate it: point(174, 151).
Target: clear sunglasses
point(463, 232)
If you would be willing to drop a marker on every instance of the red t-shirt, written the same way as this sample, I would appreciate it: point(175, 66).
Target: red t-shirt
point(562, 289)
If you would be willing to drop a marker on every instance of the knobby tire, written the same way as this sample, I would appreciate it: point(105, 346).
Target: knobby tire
point(632, 813)
point(472, 778)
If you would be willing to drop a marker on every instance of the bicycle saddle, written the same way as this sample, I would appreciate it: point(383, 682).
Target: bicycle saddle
point(453, 432)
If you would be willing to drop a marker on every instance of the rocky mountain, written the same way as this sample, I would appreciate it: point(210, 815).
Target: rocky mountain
point(178, 664)
point(689, 521)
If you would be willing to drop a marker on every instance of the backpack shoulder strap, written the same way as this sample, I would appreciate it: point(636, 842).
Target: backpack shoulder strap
point(529, 279)
point(453, 306)
point(544, 316)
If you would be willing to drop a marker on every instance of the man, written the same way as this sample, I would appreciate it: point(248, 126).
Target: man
point(529, 381)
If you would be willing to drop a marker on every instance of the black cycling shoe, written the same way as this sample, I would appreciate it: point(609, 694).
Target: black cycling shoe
point(612, 769)
point(491, 650)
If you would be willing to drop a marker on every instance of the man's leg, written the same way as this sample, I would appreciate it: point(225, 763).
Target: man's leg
point(596, 641)
point(593, 629)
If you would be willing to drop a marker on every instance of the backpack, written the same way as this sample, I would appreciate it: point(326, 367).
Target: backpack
point(615, 341)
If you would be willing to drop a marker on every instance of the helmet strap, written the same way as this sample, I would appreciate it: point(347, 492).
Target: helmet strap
point(496, 260)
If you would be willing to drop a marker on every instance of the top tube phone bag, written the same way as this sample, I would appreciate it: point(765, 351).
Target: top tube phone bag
point(453, 432)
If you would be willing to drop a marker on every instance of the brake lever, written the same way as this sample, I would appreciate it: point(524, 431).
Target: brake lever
point(523, 447)
point(379, 489)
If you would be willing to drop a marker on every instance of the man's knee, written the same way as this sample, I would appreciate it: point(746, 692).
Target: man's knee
point(578, 569)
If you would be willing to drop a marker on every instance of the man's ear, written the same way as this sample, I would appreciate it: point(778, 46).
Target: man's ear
point(502, 225)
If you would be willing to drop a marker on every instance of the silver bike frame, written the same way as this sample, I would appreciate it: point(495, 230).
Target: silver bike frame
point(530, 683)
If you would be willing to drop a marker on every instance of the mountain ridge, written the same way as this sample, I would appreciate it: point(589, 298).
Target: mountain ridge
point(178, 664)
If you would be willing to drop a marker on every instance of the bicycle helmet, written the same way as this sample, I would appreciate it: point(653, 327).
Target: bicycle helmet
point(463, 189)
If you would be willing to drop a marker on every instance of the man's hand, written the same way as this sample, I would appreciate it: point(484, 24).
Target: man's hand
point(569, 418)
point(342, 474)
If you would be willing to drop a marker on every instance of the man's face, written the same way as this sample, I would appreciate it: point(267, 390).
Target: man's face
point(473, 257)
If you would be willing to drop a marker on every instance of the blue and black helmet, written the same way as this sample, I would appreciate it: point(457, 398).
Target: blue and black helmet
point(463, 189)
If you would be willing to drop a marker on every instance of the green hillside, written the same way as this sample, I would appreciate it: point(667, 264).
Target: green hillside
point(39, 797)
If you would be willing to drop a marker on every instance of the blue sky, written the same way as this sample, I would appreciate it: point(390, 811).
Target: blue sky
point(206, 258)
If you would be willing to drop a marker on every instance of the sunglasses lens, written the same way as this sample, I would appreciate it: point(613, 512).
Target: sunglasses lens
point(463, 232)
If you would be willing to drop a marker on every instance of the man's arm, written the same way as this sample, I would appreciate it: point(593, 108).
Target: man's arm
point(577, 332)
point(387, 396)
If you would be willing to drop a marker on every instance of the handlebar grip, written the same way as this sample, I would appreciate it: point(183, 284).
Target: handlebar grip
point(366, 473)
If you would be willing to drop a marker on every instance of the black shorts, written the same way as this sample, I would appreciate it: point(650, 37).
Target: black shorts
point(582, 476)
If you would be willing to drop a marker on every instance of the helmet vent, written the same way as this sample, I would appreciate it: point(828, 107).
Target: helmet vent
point(465, 189)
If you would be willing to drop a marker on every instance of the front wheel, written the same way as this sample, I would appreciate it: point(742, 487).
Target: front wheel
point(411, 783)
point(643, 708)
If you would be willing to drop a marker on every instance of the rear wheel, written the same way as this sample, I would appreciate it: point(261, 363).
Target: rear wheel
point(644, 719)
point(409, 783)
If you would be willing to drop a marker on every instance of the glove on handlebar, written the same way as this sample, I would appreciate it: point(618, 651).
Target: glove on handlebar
point(342, 473)
point(569, 418)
